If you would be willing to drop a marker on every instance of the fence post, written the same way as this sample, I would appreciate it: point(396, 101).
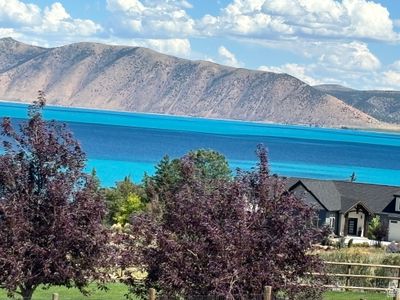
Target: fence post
point(398, 280)
point(152, 294)
point(55, 296)
point(348, 278)
point(397, 297)
point(267, 293)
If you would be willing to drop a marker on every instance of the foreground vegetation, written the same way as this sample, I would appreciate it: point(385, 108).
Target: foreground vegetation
point(193, 228)
point(117, 291)
point(370, 255)
point(355, 296)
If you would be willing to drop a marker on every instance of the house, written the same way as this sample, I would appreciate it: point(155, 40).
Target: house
point(349, 206)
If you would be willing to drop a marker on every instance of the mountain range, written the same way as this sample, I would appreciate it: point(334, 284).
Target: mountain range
point(139, 79)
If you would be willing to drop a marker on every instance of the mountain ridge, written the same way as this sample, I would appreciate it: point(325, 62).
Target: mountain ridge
point(380, 104)
point(138, 79)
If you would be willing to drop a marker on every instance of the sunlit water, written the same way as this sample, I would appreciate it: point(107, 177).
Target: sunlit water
point(120, 144)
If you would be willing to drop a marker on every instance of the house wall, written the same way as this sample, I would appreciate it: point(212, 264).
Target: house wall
point(393, 229)
point(323, 214)
point(302, 194)
point(341, 233)
point(391, 208)
point(337, 220)
point(334, 215)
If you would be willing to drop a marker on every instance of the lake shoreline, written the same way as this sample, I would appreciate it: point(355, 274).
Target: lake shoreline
point(392, 128)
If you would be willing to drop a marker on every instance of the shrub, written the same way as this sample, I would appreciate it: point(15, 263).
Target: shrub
point(377, 230)
point(51, 212)
point(227, 237)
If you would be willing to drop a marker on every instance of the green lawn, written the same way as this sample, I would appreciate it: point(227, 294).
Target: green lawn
point(355, 296)
point(117, 291)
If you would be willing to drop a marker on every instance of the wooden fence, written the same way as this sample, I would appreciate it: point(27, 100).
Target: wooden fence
point(267, 293)
point(350, 274)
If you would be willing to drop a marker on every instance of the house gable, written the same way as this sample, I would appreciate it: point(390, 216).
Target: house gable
point(393, 206)
point(302, 192)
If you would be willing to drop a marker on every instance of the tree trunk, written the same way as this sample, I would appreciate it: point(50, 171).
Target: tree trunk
point(27, 292)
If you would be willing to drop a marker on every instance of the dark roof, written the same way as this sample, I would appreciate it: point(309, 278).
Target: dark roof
point(342, 195)
point(325, 191)
point(377, 197)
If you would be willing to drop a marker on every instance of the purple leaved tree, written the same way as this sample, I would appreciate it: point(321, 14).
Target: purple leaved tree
point(51, 212)
point(229, 238)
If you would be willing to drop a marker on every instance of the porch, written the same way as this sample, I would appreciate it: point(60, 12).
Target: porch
point(354, 222)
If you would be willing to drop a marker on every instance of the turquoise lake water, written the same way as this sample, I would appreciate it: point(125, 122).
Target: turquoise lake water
point(120, 144)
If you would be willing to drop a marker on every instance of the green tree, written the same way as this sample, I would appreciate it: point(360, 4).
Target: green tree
point(209, 165)
point(130, 204)
point(377, 230)
point(122, 200)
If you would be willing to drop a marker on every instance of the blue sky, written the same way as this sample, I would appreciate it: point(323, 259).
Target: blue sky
point(355, 43)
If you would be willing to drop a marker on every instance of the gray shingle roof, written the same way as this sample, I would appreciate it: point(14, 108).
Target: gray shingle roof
point(325, 191)
point(342, 195)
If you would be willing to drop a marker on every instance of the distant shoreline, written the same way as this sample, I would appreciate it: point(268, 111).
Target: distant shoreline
point(392, 128)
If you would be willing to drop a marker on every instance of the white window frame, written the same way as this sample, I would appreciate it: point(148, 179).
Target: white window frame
point(397, 203)
point(330, 221)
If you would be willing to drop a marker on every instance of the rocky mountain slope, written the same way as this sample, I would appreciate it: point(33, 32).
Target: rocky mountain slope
point(142, 80)
point(382, 105)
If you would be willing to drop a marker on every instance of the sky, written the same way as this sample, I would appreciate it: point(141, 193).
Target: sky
point(355, 43)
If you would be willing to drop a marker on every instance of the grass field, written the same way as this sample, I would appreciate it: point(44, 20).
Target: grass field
point(355, 296)
point(117, 291)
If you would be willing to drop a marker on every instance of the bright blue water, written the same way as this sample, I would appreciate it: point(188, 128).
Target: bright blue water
point(120, 144)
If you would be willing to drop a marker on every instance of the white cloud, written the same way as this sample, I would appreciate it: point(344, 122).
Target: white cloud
point(243, 17)
point(276, 19)
point(17, 12)
point(56, 20)
point(8, 32)
point(386, 78)
point(227, 57)
point(151, 18)
point(346, 56)
point(178, 47)
point(392, 79)
point(32, 23)
point(302, 18)
point(395, 65)
point(127, 6)
point(350, 56)
point(295, 70)
point(331, 18)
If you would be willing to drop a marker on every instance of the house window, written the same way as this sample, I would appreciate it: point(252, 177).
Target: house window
point(397, 207)
point(330, 222)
